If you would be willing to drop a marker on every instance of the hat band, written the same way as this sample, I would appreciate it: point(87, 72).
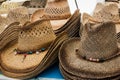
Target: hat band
point(99, 59)
point(29, 52)
point(16, 51)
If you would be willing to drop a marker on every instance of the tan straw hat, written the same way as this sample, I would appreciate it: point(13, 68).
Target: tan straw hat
point(11, 23)
point(5, 7)
point(34, 5)
point(19, 14)
point(13, 37)
point(108, 12)
point(35, 49)
point(57, 11)
point(59, 25)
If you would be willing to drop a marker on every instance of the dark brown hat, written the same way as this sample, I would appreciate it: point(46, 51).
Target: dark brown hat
point(93, 56)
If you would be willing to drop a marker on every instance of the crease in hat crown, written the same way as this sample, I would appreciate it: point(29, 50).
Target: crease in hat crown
point(39, 35)
point(98, 41)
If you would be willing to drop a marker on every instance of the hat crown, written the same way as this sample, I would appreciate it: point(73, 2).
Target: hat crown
point(40, 35)
point(19, 14)
point(57, 9)
point(106, 12)
point(98, 40)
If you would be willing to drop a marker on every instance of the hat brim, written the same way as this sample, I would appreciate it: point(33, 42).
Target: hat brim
point(69, 76)
point(56, 23)
point(75, 65)
point(15, 63)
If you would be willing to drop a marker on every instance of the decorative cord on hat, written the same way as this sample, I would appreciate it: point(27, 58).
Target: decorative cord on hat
point(16, 51)
point(97, 60)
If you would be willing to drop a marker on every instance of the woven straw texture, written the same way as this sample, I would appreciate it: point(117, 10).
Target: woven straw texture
point(40, 14)
point(34, 64)
point(3, 22)
point(77, 66)
point(19, 14)
point(6, 6)
point(108, 11)
point(57, 10)
point(97, 41)
point(48, 58)
point(40, 35)
point(53, 11)
point(35, 3)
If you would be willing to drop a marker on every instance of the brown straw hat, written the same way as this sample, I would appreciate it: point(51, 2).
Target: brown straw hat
point(34, 5)
point(56, 23)
point(37, 37)
point(5, 7)
point(49, 59)
point(33, 38)
point(58, 9)
point(69, 76)
point(108, 11)
point(93, 56)
point(59, 25)
point(11, 24)
point(28, 41)
point(19, 14)
point(57, 14)
point(8, 33)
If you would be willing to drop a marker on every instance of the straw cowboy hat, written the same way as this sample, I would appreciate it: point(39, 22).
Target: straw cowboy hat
point(54, 10)
point(93, 56)
point(34, 5)
point(57, 14)
point(108, 11)
point(10, 23)
point(58, 25)
point(58, 8)
point(6, 6)
point(19, 14)
point(30, 50)
point(35, 49)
